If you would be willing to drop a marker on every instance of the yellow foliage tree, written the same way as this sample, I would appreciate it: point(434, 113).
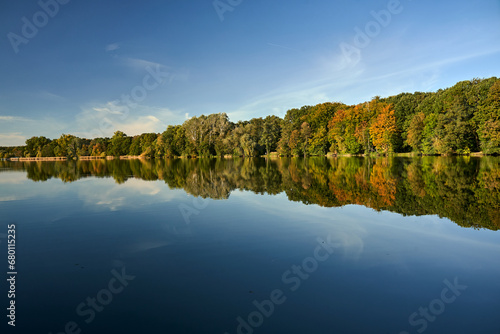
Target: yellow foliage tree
point(383, 129)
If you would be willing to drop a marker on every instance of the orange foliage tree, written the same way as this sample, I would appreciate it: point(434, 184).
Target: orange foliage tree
point(383, 129)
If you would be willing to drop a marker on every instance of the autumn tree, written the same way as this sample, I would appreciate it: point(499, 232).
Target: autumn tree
point(98, 147)
point(363, 114)
point(336, 132)
point(383, 129)
point(341, 132)
point(318, 144)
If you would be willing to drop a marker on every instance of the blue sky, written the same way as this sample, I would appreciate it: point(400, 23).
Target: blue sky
point(248, 58)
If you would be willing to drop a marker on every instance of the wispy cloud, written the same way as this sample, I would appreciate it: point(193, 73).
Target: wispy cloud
point(15, 130)
point(141, 64)
point(432, 65)
point(307, 92)
point(335, 79)
point(50, 96)
point(112, 108)
point(112, 47)
point(283, 47)
point(14, 119)
point(12, 139)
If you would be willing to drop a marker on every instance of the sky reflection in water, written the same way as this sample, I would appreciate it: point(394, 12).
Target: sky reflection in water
point(199, 264)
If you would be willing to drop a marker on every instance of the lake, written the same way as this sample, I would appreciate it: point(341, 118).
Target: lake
point(284, 245)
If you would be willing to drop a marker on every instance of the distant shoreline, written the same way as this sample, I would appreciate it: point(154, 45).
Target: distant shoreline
point(83, 158)
point(272, 155)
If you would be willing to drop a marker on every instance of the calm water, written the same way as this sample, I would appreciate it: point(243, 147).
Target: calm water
point(346, 245)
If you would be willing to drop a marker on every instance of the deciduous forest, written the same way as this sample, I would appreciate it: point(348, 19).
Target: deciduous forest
point(458, 120)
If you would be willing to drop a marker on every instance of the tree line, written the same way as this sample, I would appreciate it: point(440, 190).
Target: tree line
point(461, 119)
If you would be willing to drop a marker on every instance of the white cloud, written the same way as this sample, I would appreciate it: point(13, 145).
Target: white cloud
point(142, 124)
point(112, 107)
point(153, 119)
point(104, 120)
point(112, 47)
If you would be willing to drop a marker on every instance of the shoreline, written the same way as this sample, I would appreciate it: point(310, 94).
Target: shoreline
point(229, 156)
point(83, 158)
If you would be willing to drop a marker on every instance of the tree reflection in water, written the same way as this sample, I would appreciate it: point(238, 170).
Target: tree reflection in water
point(464, 189)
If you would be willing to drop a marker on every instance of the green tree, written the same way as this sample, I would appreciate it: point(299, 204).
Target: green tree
point(135, 146)
point(318, 144)
point(295, 142)
point(415, 132)
point(120, 144)
point(248, 144)
point(148, 143)
point(35, 145)
point(67, 146)
point(271, 130)
point(305, 134)
point(455, 132)
point(488, 120)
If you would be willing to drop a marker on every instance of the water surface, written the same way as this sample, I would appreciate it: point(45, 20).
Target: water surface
point(347, 245)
